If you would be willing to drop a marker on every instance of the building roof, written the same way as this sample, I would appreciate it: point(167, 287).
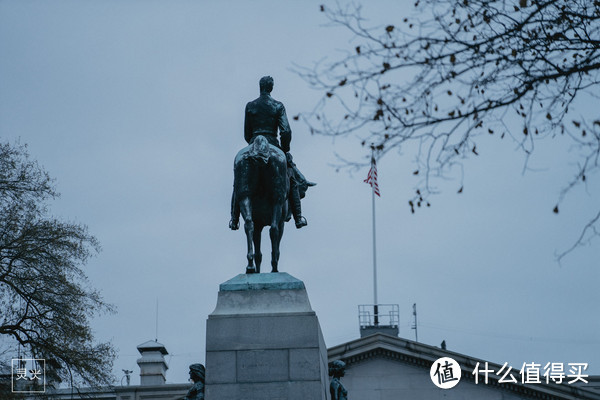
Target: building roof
point(152, 345)
point(406, 351)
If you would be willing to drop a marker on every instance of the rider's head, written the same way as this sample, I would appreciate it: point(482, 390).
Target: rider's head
point(266, 84)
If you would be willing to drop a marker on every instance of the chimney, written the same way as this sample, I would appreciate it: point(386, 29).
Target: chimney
point(153, 367)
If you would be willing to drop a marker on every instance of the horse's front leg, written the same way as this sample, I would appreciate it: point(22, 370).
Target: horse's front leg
point(276, 231)
point(246, 211)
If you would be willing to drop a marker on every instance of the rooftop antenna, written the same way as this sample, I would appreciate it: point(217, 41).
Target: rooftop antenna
point(127, 377)
point(414, 326)
point(156, 326)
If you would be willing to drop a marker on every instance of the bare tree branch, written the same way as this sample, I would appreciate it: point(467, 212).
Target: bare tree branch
point(461, 70)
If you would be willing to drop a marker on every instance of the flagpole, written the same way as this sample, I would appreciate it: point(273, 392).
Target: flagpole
point(375, 304)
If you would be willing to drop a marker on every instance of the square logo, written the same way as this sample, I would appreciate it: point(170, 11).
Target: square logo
point(28, 375)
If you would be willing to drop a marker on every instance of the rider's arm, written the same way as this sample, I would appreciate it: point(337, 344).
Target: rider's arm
point(247, 127)
point(285, 132)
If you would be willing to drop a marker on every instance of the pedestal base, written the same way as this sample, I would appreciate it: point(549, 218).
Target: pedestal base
point(263, 341)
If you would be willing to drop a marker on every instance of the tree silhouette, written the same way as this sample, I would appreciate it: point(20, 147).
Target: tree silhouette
point(45, 298)
point(458, 71)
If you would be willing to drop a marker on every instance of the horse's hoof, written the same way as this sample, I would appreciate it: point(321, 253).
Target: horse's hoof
point(250, 270)
point(274, 270)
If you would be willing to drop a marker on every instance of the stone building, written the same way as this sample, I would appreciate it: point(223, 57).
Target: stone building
point(153, 377)
point(384, 367)
point(379, 366)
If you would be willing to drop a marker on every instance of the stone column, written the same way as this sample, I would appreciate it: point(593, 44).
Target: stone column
point(263, 341)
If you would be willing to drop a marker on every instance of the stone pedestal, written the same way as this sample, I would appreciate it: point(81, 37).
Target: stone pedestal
point(263, 342)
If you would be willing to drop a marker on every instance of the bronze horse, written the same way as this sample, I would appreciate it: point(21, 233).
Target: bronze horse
point(261, 187)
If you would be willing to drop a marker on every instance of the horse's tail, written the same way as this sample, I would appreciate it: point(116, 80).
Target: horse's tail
point(260, 149)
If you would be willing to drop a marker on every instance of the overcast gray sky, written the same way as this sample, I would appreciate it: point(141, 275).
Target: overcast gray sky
point(136, 108)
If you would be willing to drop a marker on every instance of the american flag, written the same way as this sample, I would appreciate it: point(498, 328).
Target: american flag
point(372, 177)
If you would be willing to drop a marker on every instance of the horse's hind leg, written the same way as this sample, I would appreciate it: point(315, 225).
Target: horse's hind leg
point(276, 231)
point(246, 211)
point(257, 253)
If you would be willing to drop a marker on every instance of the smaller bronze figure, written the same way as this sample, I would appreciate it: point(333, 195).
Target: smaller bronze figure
point(196, 392)
point(337, 369)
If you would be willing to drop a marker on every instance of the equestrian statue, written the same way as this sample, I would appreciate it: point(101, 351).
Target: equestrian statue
point(267, 185)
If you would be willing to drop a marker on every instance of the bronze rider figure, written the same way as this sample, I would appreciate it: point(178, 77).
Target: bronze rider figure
point(266, 116)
